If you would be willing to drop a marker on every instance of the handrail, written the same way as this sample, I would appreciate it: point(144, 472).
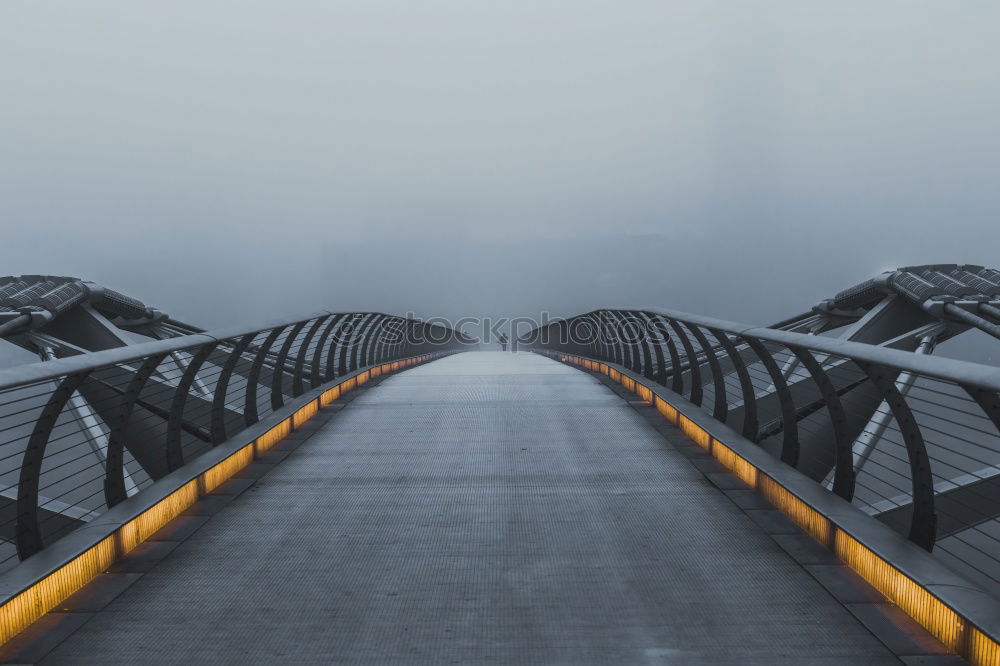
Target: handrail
point(953, 609)
point(911, 439)
point(986, 377)
point(947, 369)
point(45, 580)
point(80, 434)
point(30, 373)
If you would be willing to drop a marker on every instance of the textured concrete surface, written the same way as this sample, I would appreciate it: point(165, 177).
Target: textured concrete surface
point(487, 507)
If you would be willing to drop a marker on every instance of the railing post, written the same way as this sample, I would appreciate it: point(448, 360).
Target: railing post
point(390, 341)
point(923, 524)
point(750, 417)
point(357, 341)
point(222, 386)
point(676, 374)
point(843, 475)
point(721, 407)
point(278, 378)
point(300, 361)
point(175, 453)
point(318, 375)
point(789, 422)
point(626, 352)
point(613, 353)
point(417, 338)
point(29, 534)
point(374, 332)
point(250, 416)
point(660, 375)
point(692, 362)
point(597, 345)
point(114, 467)
point(406, 346)
point(353, 332)
point(630, 352)
point(336, 360)
point(641, 358)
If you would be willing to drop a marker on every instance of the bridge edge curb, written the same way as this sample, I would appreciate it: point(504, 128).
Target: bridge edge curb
point(43, 581)
point(965, 619)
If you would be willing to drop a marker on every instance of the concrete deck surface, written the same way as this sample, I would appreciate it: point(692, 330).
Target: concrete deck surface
point(483, 508)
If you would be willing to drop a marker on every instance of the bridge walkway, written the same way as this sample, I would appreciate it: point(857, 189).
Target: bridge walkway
point(486, 507)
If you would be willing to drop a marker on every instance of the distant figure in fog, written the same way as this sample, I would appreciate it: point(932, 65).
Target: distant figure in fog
point(503, 342)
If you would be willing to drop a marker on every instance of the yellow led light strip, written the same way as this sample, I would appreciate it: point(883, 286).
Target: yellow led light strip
point(328, 396)
point(955, 632)
point(693, 431)
point(24, 608)
point(666, 410)
point(305, 413)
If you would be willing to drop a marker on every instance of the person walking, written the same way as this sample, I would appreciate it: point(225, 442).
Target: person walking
point(503, 342)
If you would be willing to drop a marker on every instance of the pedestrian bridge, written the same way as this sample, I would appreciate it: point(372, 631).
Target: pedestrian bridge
point(365, 488)
point(484, 506)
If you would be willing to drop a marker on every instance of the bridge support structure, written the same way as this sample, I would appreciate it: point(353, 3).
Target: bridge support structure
point(165, 422)
point(43, 581)
point(964, 618)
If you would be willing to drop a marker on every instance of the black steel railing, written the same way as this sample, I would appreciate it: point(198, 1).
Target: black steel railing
point(911, 439)
point(80, 434)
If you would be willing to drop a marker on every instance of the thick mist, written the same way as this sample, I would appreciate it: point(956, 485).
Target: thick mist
point(230, 162)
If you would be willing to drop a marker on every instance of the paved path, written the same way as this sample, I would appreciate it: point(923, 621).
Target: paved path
point(486, 507)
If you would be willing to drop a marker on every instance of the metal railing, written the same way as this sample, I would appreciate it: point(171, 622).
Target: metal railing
point(80, 434)
point(913, 440)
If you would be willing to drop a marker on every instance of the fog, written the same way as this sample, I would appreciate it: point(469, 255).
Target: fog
point(230, 162)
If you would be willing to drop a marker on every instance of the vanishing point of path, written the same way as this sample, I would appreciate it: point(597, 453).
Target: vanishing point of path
point(486, 507)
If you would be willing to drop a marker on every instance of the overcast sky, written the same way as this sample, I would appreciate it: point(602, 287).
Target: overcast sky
point(230, 161)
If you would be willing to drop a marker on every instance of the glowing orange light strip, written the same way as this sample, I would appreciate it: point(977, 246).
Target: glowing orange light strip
point(24, 608)
point(955, 632)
